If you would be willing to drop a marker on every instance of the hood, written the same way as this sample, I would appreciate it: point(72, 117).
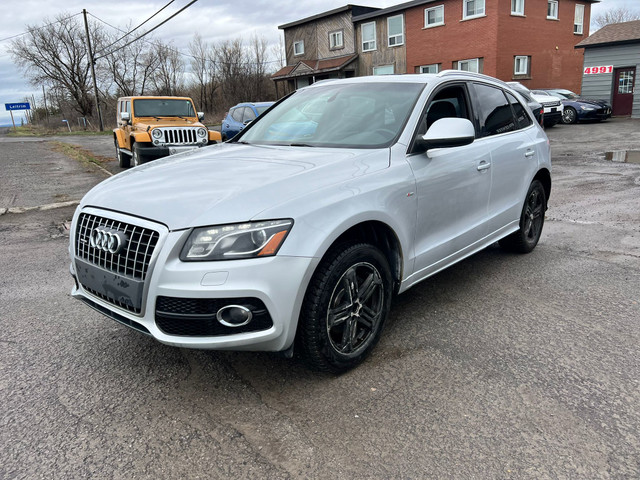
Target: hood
point(151, 122)
point(597, 103)
point(229, 183)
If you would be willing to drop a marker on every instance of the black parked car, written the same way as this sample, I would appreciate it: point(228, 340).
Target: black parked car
point(577, 109)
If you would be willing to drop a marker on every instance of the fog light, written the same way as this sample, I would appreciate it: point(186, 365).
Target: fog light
point(234, 316)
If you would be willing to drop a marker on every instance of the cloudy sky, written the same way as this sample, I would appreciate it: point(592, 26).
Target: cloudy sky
point(214, 20)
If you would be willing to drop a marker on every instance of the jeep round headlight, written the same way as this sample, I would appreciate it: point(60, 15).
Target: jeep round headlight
point(156, 133)
point(240, 240)
point(202, 132)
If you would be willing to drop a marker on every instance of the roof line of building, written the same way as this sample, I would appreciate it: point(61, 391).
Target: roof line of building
point(325, 14)
point(394, 8)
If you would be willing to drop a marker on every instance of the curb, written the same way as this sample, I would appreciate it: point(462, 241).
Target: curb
point(50, 206)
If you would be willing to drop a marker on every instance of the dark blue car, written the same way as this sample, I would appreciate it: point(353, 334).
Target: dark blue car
point(577, 109)
point(240, 116)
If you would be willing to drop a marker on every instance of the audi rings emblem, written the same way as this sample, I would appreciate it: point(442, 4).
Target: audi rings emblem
point(108, 240)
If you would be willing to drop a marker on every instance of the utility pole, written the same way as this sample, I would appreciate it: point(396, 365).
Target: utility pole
point(46, 111)
point(93, 69)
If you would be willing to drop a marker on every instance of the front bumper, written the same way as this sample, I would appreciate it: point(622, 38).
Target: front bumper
point(598, 114)
point(278, 282)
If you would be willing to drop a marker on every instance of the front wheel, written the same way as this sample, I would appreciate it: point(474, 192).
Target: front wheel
point(135, 155)
point(345, 307)
point(569, 115)
point(123, 159)
point(531, 221)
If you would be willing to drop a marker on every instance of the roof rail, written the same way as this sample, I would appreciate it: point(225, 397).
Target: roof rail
point(445, 73)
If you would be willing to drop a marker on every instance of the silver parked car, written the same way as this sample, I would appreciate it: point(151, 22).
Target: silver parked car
point(301, 229)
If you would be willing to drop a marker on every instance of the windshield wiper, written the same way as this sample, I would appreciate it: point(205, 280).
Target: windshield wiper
point(300, 145)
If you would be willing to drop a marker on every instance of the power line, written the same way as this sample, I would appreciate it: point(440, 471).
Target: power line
point(148, 31)
point(39, 28)
point(177, 51)
point(131, 31)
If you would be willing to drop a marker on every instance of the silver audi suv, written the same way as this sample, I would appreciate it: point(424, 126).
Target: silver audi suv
point(300, 230)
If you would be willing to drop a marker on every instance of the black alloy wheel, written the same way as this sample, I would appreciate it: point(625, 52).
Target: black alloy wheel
point(345, 307)
point(531, 221)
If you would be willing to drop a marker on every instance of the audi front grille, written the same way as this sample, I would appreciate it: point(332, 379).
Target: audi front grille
point(179, 136)
point(131, 260)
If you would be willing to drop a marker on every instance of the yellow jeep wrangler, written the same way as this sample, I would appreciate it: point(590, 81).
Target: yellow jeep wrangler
point(154, 127)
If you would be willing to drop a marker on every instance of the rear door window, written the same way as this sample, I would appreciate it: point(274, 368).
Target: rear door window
point(494, 111)
point(523, 120)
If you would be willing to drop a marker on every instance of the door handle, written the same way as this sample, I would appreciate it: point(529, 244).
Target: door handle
point(530, 153)
point(483, 166)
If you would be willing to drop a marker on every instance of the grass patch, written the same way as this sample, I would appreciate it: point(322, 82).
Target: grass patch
point(43, 131)
point(79, 154)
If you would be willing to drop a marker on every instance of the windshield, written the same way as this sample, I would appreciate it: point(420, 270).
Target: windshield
point(347, 115)
point(568, 94)
point(162, 108)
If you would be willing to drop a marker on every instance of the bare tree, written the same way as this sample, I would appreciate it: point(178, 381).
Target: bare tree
point(278, 54)
point(203, 69)
point(56, 54)
point(129, 67)
point(168, 78)
point(616, 15)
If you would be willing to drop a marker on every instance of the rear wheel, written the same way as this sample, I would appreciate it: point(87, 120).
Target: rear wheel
point(531, 221)
point(124, 161)
point(345, 307)
point(569, 115)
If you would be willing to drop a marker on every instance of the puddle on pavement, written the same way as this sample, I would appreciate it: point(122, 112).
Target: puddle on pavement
point(623, 156)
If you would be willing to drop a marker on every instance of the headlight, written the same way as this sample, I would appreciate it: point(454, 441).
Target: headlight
point(231, 242)
point(202, 132)
point(156, 133)
point(587, 108)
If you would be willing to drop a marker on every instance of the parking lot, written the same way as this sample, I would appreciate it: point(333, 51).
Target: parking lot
point(503, 366)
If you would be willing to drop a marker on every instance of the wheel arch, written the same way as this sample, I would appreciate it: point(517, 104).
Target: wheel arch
point(118, 136)
point(380, 235)
point(544, 177)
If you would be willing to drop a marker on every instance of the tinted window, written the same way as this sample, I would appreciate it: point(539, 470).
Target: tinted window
point(236, 114)
point(494, 111)
point(522, 118)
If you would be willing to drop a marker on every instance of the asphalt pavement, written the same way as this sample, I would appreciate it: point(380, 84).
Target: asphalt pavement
point(503, 366)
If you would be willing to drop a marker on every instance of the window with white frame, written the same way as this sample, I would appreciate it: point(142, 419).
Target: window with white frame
point(434, 16)
point(579, 20)
point(336, 40)
point(298, 48)
point(395, 27)
point(433, 68)
point(368, 31)
point(470, 65)
point(472, 8)
point(552, 9)
point(383, 70)
point(517, 7)
point(521, 65)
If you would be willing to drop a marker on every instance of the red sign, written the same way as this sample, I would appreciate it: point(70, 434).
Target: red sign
point(595, 70)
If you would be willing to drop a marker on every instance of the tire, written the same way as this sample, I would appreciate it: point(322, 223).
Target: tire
point(531, 221)
point(136, 158)
point(124, 161)
point(224, 137)
point(336, 332)
point(569, 115)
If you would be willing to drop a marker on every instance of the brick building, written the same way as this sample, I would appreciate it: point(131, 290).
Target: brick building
point(531, 41)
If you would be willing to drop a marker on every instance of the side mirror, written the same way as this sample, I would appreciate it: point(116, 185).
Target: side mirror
point(200, 116)
point(125, 117)
point(447, 133)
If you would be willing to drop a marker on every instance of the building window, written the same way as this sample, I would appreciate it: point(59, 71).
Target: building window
point(472, 8)
point(579, 20)
point(383, 70)
point(368, 31)
point(471, 65)
point(521, 65)
point(336, 40)
point(434, 16)
point(298, 48)
point(433, 68)
point(552, 9)
point(395, 27)
point(517, 7)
